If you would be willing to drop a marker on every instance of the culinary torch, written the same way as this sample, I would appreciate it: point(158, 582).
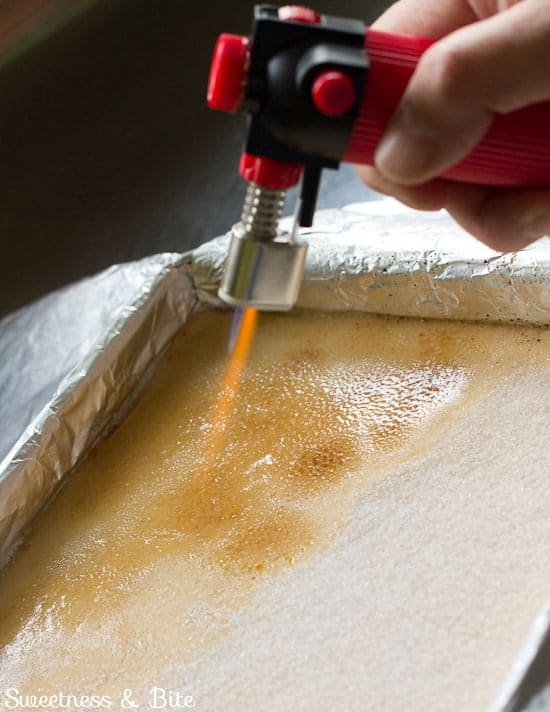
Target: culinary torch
point(319, 90)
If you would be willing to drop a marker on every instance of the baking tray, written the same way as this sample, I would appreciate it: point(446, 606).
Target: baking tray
point(73, 362)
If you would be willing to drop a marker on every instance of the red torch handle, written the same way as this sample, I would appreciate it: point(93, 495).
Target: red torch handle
point(515, 151)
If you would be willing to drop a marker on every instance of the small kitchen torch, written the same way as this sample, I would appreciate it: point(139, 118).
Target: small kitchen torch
point(319, 90)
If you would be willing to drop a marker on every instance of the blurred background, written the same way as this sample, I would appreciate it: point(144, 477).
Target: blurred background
point(107, 150)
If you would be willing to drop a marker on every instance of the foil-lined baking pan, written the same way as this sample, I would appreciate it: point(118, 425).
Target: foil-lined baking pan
point(71, 363)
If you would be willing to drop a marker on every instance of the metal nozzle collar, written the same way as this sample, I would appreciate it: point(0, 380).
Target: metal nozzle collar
point(264, 266)
point(262, 274)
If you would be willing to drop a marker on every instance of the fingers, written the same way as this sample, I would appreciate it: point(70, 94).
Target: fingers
point(428, 196)
point(496, 65)
point(426, 18)
point(503, 219)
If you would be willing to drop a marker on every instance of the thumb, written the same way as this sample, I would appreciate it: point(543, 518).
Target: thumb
point(493, 66)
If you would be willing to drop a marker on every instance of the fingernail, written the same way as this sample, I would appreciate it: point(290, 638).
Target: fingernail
point(402, 155)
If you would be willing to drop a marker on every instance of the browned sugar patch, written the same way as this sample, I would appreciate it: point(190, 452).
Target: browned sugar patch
point(325, 401)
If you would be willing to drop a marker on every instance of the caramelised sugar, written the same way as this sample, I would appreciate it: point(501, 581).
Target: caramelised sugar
point(156, 541)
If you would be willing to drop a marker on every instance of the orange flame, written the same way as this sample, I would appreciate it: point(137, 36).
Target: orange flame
point(231, 380)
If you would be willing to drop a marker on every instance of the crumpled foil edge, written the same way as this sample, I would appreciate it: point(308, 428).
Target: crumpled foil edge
point(91, 396)
point(384, 258)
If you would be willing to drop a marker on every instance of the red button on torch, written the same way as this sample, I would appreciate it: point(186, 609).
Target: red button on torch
point(268, 172)
point(299, 13)
point(228, 73)
point(333, 93)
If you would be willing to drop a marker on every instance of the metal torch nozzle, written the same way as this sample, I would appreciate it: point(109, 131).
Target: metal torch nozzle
point(264, 265)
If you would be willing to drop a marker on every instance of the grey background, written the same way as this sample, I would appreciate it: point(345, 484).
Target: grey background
point(107, 150)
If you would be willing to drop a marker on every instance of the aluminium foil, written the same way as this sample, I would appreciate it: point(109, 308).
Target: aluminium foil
point(385, 258)
point(71, 363)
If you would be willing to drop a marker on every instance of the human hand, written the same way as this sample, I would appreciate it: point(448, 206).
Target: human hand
point(494, 57)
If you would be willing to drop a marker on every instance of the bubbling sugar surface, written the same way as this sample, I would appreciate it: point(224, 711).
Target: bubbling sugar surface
point(374, 524)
